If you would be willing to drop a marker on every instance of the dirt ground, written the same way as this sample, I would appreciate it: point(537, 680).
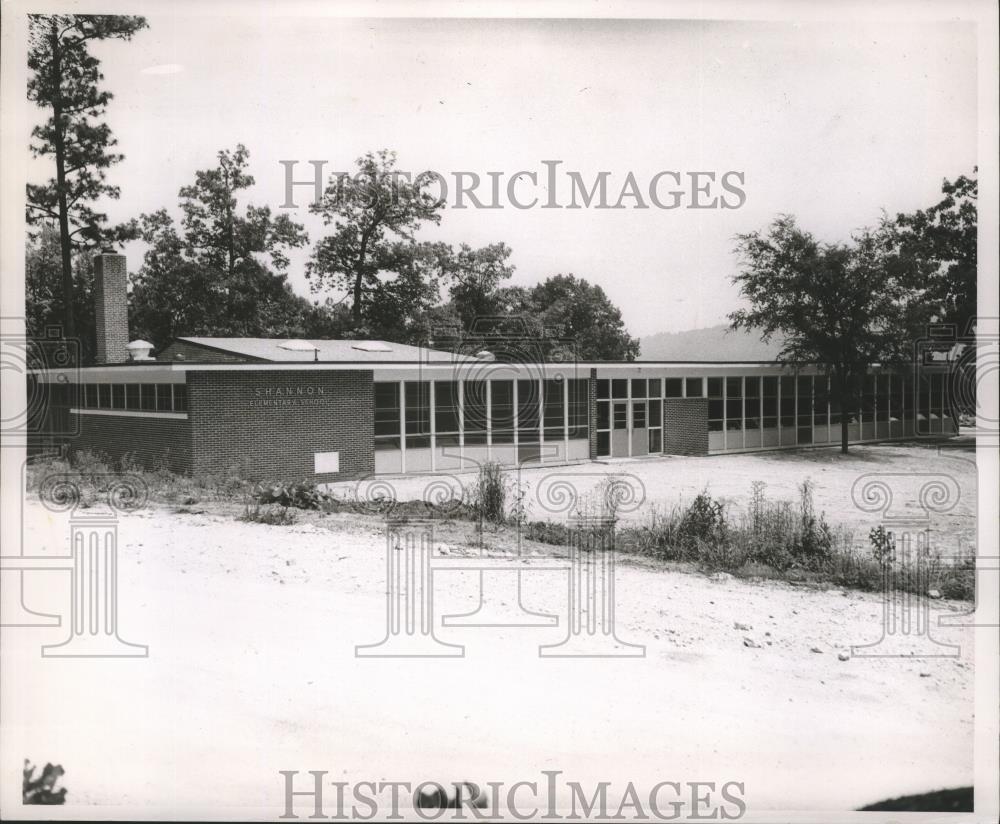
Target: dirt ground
point(252, 632)
point(849, 489)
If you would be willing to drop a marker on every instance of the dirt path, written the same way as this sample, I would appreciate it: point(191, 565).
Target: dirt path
point(252, 631)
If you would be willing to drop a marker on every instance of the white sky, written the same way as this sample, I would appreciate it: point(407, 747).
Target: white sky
point(829, 122)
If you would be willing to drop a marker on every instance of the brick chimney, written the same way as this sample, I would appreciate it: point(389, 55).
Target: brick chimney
point(111, 304)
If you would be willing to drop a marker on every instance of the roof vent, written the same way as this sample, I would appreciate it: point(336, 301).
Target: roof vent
point(371, 346)
point(138, 350)
point(298, 346)
point(485, 355)
point(301, 346)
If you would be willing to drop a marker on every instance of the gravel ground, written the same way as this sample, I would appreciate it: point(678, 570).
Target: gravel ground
point(251, 670)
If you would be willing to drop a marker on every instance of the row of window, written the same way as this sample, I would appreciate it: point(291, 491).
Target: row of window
point(142, 397)
point(640, 388)
point(768, 402)
point(482, 410)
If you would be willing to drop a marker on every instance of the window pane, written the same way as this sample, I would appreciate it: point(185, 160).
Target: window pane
point(91, 396)
point(164, 398)
point(655, 440)
point(656, 413)
point(751, 386)
point(147, 396)
point(474, 407)
point(619, 388)
point(131, 396)
point(603, 415)
point(553, 403)
point(638, 415)
point(502, 406)
point(180, 397)
point(604, 388)
point(734, 387)
point(672, 388)
point(694, 387)
point(579, 404)
point(654, 388)
point(621, 416)
point(446, 407)
point(527, 405)
point(117, 396)
point(638, 387)
point(715, 388)
point(603, 444)
point(418, 409)
point(387, 410)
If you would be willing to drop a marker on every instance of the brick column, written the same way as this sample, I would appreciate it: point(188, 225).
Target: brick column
point(111, 307)
point(592, 413)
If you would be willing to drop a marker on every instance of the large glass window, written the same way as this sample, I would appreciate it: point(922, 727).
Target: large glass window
point(770, 402)
point(180, 397)
point(639, 415)
point(673, 388)
point(147, 396)
point(805, 401)
point(787, 400)
point(527, 411)
point(117, 396)
point(132, 396)
point(474, 411)
point(418, 414)
point(821, 400)
point(734, 403)
point(579, 408)
point(603, 389)
point(387, 416)
point(554, 409)
point(655, 387)
point(502, 411)
point(446, 412)
point(716, 408)
point(693, 386)
point(638, 387)
point(90, 396)
point(164, 397)
point(751, 402)
point(619, 388)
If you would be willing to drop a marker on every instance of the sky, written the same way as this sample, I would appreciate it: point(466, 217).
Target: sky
point(830, 122)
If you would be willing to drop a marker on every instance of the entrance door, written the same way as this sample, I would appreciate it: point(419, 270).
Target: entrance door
point(619, 429)
point(640, 431)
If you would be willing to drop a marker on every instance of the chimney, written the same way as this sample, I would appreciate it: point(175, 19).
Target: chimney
point(111, 304)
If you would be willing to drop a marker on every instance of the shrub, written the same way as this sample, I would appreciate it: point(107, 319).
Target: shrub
point(298, 494)
point(883, 545)
point(489, 496)
point(703, 523)
point(272, 514)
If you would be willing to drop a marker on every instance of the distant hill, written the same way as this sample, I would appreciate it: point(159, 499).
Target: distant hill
point(715, 343)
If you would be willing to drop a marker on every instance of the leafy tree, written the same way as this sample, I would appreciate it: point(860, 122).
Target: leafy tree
point(939, 246)
point(65, 81)
point(576, 309)
point(223, 272)
point(477, 275)
point(44, 301)
point(370, 211)
point(846, 306)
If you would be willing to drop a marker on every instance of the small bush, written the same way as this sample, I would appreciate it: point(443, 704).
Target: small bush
point(271, 514)
point(298, 494)
point(490, 494)
point(883, 545)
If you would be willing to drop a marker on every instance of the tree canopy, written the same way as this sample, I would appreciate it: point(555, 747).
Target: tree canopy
point(845, 306)
point(64, 80)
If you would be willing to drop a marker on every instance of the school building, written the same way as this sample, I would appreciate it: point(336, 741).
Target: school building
point(328, 410)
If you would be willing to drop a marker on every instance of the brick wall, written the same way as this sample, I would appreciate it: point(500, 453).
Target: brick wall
point(192, 353)
point(272, 422)
point(111, 308)
point(152, 442)
point(685, 426)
